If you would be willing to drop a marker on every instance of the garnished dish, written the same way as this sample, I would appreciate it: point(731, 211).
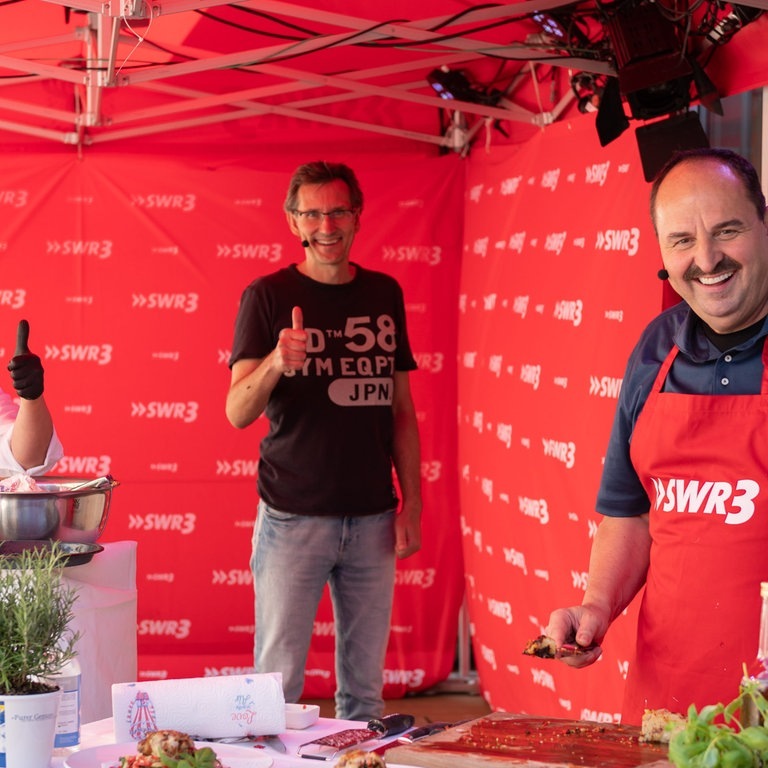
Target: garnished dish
point(167, 749)
point(170, 749)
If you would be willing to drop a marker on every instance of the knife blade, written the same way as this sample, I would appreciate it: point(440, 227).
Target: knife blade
point(246, 740)
point(272, 741)
point(423, 731)
point(327, 747)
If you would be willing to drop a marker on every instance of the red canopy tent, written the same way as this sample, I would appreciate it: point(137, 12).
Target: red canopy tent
point(147, 150)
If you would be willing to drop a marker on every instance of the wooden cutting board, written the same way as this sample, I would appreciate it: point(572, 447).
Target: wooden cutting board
point(502, 739)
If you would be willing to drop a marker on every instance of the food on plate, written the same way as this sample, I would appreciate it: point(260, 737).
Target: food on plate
point(358, 758)
point(19, 483)
point(660, 724)
point(546, 648)
point(170, 749)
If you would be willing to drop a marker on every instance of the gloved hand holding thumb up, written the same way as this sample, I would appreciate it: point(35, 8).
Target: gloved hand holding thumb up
point(25, 368)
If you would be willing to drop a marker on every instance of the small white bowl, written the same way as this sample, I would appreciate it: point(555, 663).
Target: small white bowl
point(298, 716)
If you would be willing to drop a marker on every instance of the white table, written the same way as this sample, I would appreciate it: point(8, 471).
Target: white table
point(101, 732)
point(105, 614)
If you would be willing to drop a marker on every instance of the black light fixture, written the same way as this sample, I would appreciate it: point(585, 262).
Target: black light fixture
point(654, 73)
point(452, 84)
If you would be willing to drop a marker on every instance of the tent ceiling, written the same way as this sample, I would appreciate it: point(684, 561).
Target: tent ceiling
point(86, 71)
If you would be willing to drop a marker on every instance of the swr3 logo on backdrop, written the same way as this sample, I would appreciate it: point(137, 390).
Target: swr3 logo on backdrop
point(101, 354)
point(14, 198)
point(186, 302)
point(177, 629)
point(14, 298)
point(183, 523)
point(157, 409)
point(177, 202)
point(84, 465)
point(431, 255)
point(101, 249)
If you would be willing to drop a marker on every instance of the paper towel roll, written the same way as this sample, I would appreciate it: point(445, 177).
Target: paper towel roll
point(212, 707)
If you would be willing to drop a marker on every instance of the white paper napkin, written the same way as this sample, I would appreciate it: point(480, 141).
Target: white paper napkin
point(212, 707)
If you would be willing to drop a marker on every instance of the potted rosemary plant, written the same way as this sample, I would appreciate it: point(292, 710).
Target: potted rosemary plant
point(36, 607)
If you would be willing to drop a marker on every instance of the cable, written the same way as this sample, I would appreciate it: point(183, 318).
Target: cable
point(139, 39)
point(243, 28)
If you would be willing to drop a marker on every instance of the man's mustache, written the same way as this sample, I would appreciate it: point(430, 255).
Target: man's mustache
point(726, 265)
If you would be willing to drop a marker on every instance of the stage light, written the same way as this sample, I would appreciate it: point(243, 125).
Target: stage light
point(450, 84)
point(654, 74)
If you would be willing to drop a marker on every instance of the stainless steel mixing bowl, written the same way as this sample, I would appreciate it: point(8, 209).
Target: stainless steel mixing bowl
point(72, 509)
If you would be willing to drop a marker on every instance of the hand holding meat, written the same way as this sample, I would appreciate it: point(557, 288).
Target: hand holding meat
point(25, 368)
point(579, 630)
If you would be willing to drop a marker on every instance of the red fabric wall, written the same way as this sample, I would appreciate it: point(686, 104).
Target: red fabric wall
point(558, 279)
point(533, 267)
point(129, 264)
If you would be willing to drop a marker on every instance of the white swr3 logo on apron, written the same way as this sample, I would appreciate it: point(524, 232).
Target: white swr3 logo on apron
point(734, 503)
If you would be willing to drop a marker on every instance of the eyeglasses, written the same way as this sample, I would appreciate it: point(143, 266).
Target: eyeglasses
point(337, 214)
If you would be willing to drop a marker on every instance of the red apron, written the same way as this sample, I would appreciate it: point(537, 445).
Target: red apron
point(702, 460)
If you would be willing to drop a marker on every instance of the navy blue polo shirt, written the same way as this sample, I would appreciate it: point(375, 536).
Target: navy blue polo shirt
point(699, 368)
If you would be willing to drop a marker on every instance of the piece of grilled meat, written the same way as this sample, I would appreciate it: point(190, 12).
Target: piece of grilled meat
point(170, 743)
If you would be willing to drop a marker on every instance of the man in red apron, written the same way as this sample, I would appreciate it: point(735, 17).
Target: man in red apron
point(684, 491)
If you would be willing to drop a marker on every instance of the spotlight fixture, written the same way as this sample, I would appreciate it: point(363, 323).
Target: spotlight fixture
point(654, 73)
point(451, 84)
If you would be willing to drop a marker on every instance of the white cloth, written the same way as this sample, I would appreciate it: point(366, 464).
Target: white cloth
point(213, 707)
point(105, 615)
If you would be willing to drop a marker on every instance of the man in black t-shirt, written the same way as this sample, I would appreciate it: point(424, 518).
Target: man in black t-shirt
point(321, 348)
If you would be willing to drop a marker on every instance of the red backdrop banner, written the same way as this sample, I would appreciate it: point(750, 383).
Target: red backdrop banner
point(129, 265)
point(558, 279)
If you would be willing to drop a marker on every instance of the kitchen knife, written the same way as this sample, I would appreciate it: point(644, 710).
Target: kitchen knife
point(272, 741)
point(327, 747)
point(423, 731)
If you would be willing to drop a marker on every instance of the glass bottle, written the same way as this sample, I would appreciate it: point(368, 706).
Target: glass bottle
point(757, 673)
point(68, 719)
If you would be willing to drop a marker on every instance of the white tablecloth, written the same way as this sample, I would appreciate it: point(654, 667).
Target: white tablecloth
point(105, 614)
point(101, 732)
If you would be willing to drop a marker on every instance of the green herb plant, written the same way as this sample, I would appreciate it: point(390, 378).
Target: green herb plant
point(202, 758)
point(37, 607)
point(704, 743)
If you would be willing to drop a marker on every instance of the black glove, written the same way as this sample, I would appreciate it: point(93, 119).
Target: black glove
point(26, 368)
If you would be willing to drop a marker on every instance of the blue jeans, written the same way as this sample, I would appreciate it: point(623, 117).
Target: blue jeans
point(294, 556)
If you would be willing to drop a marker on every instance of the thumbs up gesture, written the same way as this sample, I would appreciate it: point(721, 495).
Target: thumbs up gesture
point(25, 368)
point(291, 350)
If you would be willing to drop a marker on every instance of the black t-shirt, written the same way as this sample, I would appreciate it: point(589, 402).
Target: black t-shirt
point(329, 446)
